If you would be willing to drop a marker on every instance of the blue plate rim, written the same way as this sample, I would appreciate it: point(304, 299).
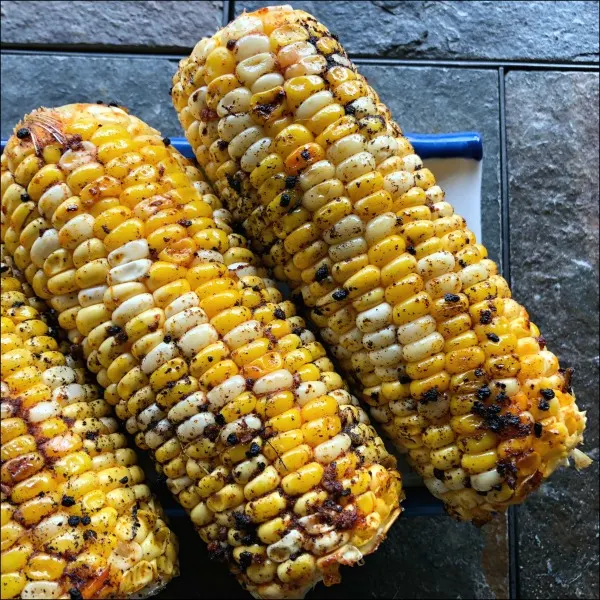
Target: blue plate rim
point(460, 144)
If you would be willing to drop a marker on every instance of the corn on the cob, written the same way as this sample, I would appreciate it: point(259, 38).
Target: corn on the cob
point(301, 150)
point(77, 519)
point(240, 407)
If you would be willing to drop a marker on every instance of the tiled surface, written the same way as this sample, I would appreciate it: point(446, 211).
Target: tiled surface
point(552, 146)
point(141, 84)
point(560, 31)
point(553, 163)
point(107, 24)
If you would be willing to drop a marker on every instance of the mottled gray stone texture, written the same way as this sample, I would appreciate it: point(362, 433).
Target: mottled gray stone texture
point(546, 31)
point(436, 100)
point(423, 557)
point(141, 84)
point(156, 24)
point(552, 131)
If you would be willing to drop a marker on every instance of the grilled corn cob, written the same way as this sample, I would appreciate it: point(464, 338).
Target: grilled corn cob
point(238, 404)
point(304, 154)
point(77, 519)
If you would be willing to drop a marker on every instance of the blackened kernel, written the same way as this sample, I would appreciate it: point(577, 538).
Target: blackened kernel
point(253, 451)
point(322, 273)
point(25, 197)
point(245, 559)
point(339, 294)
point(234, 183)
point(219, 419)
point(86, 520)
point(124, 480)
point(113, 330)
point(75, 594)
point(121, 337)
point(242, 520)
point(261, 466)
point(305, 154)
point(405, 379)
point(438, 474)
point(411, 250)
point(91, 435)
point(502, 397)
point(544, 405)
point(185, 222)
point(68, 501)
point(167, 339)
point(166, 141)
point(298, 330)
point(278, 313)
point(479, 372)
point(113, 104)
point(486, 317)
point(484, 392)
point(74, 521)
point(232, 439)
point(547, 393)
point(349, 109)
point(451, 297)
point(492, 337)
point(285, 200)
point(290, 182)
point(346, 492)
point(430, 395)
point(23, 133)
point(230, 44)
point(537, 430)
point(462, 263)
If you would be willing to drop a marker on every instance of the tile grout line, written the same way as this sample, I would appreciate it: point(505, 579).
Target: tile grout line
point(513, 530)
point(227, 8)
point(179, 53)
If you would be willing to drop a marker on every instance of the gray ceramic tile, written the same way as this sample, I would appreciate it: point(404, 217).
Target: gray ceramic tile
point(552, 121)
point(435, 100)
point(424, 557)
point(140, 84)
point(559, 31)
point(165, 25)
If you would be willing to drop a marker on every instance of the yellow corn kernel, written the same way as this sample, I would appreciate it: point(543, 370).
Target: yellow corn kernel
point(265, 508)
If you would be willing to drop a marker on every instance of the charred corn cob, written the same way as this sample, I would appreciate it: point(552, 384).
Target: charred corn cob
point(77, 519)
point(239, 406)
point(305, 155)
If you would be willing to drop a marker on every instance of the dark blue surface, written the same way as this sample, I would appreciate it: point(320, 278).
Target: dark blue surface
point(462, 144)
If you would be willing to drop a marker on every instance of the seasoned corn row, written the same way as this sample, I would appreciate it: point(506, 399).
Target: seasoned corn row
point(303, 153)
point(77, 519)
point(256, 434)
